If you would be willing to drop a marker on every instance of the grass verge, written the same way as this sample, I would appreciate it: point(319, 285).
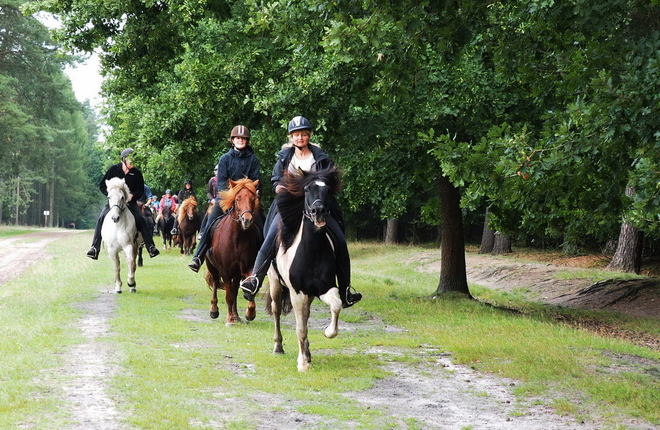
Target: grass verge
point(181, 370)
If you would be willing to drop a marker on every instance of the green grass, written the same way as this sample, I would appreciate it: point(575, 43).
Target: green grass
point(181, 370)
point(8, 231)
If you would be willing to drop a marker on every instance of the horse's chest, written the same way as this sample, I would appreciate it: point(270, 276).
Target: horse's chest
point(311, 263)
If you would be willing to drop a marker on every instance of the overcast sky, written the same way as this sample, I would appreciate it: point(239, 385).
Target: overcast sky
point(86, 80)
point(85, 77)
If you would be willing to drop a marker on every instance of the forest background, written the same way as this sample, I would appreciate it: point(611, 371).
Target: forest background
point(538, 117)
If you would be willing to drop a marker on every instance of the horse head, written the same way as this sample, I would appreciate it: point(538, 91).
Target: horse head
point(188, 208)
point(316, 209)
point(118, 194)
point(312, 190)
point(241, 200)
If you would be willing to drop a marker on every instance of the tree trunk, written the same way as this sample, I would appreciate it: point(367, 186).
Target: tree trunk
point(453, 277)
point(18, 198)
point(502, 244)
point(392, 231)
point(487, 237)
point(628, 255)
point(51, 202)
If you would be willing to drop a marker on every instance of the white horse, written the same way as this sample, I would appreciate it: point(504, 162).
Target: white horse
point(119, 231)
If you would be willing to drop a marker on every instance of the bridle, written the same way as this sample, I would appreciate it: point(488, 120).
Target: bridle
point(309, 210)
point(239, 216)
point(121, 208)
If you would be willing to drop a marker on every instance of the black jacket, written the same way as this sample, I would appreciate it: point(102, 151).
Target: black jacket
point(133, 179)
point(321, 161)
point(236, 165)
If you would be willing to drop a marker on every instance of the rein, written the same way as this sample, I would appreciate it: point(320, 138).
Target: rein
point(121, 209)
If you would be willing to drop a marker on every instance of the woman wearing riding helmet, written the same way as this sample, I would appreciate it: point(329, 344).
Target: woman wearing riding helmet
point(237, 163)
point(299, 154)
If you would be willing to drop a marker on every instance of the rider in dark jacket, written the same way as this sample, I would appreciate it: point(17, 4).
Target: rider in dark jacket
point(135, 183)
point(237, 163)
point(299, 154)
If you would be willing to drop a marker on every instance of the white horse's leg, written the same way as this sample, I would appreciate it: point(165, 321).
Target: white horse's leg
point(301, 304)
point(332, 299)
point(114, 256)
point(131, 256)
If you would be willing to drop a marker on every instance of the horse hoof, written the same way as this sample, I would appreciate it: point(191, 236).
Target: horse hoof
point(133, 290)
point(215, 315)
point(118, 292)
point(250, 314)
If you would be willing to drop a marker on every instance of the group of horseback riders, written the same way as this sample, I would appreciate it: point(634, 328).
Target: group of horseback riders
point(240, 161)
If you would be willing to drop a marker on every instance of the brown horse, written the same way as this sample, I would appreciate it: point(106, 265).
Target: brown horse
point(189, 223)
point(235, 242)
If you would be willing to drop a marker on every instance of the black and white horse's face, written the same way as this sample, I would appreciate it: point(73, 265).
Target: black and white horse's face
point(316, 194)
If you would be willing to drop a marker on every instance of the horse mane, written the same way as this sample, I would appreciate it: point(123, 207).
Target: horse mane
point(228, 195)
point(291, 200)
point(190, 201)
point(118, 184)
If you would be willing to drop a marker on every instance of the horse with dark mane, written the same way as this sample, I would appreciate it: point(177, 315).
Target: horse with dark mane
point(304, 266)
point(149, 219)
point(165, 224)
point(235, 241)
point(189, 223)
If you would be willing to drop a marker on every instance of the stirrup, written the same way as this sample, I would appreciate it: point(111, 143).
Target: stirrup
point(249, 283)
point(195, 264)
point(355, 297)
point(93, 253)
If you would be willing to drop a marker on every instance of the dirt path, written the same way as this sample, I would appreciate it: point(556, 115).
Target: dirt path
point(88, 364)
point(18, 252)
point(437, 396)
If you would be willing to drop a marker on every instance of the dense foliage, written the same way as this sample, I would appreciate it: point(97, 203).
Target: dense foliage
point(47, 135)
point(541, 111)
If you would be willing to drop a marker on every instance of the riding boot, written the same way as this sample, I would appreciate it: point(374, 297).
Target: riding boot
point(343, 265)
point(203, 245)
point(200, 253)
point(252, 283)
point(93, 252)
point(143, 228)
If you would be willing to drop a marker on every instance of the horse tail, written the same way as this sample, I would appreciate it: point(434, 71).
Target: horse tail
point(209, 280)
point(287, 307)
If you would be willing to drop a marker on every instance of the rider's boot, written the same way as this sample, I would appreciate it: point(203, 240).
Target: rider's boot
point(93, 253)
point(153, 251)
point(350, 298)
point(195, 264)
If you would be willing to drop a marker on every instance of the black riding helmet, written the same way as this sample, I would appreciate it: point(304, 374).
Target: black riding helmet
point(299, 123)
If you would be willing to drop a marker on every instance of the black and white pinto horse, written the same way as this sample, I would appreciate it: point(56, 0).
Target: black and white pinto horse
point(304, 266)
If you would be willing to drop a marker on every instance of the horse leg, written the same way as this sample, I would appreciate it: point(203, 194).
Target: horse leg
point(140, 261)
point(276, 310)
point(301, 306)
point(231, 292)
point(130, 258)
point(331, 298)
point(114, 255)
point(215, 313)
point(251, 311)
